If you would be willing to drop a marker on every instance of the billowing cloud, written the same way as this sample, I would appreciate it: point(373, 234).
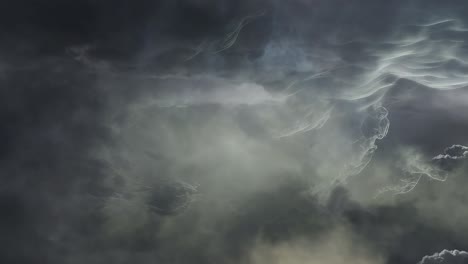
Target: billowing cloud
point(446, 257)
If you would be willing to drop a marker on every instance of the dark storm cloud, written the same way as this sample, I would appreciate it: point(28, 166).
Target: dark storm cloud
point(193, 131)
point(54, 115)
point(51, 120)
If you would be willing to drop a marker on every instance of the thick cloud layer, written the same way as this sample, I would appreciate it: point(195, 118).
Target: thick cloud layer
point(233, 131)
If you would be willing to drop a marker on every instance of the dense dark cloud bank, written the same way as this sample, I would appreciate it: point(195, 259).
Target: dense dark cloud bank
point(215, 131)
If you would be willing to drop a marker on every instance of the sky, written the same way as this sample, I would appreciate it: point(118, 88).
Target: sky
point(216, 131)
